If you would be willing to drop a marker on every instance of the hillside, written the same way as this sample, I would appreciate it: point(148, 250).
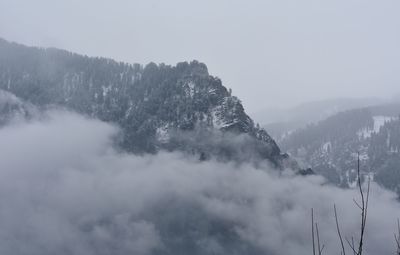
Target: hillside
point(158, 107)
point(331, 146)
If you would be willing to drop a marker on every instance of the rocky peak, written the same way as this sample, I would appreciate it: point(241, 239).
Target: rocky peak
point(157, 106)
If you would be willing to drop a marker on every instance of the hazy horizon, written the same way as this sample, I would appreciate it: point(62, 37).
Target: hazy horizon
point(272, 54)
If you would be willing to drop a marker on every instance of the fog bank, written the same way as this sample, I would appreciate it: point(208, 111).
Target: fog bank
point(65, 190)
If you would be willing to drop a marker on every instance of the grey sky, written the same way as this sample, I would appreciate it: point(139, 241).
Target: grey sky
point(278, 52)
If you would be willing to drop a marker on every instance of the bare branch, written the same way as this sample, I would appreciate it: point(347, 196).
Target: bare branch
point(322, 248)
point(355, 202)
point(351, 245)
point(338, 231)
point(396, 237)
point(364, 206)
point(312, 230)
point(318, 242)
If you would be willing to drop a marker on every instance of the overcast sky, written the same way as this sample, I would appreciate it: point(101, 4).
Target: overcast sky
point(271, 53)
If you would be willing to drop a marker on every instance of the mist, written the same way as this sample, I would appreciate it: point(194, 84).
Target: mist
point(271, 53)
point(65, 190)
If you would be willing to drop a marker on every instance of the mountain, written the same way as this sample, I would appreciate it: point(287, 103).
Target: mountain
point(158, 107)
point(331, 146)
point(314, 111)
point(278, 122)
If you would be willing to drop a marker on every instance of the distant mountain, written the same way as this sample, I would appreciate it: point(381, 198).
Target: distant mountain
point(331, 146)
point(280, 121)
point(158, 107)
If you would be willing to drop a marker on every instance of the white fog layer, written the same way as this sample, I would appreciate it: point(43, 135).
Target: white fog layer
point(64, 189)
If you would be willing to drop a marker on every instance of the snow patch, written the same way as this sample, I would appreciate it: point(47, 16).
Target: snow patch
point(364, 156)
point(379, 121)
point(218, 121)
point(106, 90)
point(190, 88)
point(212, 91)
point(326, 147)
point(162, 134)
point(216, 118)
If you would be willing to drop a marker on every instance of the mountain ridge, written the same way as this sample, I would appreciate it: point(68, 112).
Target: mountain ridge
point(151, 103)
point(331, 146)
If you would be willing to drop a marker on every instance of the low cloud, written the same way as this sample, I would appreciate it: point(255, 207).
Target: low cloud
point(64, 189)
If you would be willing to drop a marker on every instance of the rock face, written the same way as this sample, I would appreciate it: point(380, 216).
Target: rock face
point(178, 107)
point(331, 146)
